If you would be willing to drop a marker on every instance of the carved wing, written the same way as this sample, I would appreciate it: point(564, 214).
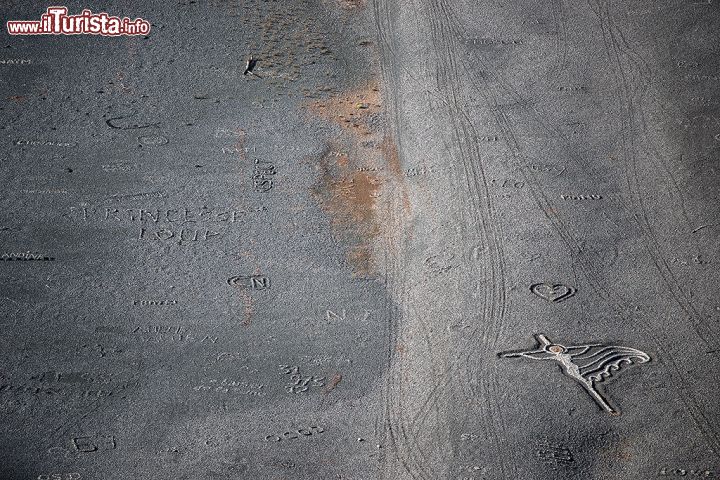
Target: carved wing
point(597, 362)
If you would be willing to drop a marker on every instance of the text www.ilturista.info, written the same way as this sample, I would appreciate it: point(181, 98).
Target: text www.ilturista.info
point(56, 21)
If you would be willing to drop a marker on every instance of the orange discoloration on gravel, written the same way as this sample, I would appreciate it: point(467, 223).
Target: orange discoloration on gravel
point(352, 3)
point(353, 111)
point(392, 157)
point(334, 381)
point(349, 197)
point(361, 181)
point(248, 308)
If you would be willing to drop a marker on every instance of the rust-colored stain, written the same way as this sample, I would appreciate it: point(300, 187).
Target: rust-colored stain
point(354, 110)
point(287, 42)
point(333, 383)
point(362, 198)
point(391, 155)
point(390, 151)
point(361, 258)
point(248, 308)
point(351, 4)
point(343, 160)
point(361, 181)
point(349, 197)
point(622, 452)
point(18, 98)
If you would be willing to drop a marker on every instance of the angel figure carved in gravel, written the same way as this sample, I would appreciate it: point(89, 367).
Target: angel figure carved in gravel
point(586, 364)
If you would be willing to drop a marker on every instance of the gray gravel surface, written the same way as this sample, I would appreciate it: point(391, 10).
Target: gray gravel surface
point(347, 262)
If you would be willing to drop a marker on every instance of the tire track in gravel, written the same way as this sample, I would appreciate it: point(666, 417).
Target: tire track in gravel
point(614, 298)
point(630, 69)
point(561, 39)
point(430, 417)
point(662, 341)
point(479, 223)
point(634, 96)
point(404, 446)
point(392, 408)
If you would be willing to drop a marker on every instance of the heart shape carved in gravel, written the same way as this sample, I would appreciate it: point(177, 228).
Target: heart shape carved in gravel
point(552, 293)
